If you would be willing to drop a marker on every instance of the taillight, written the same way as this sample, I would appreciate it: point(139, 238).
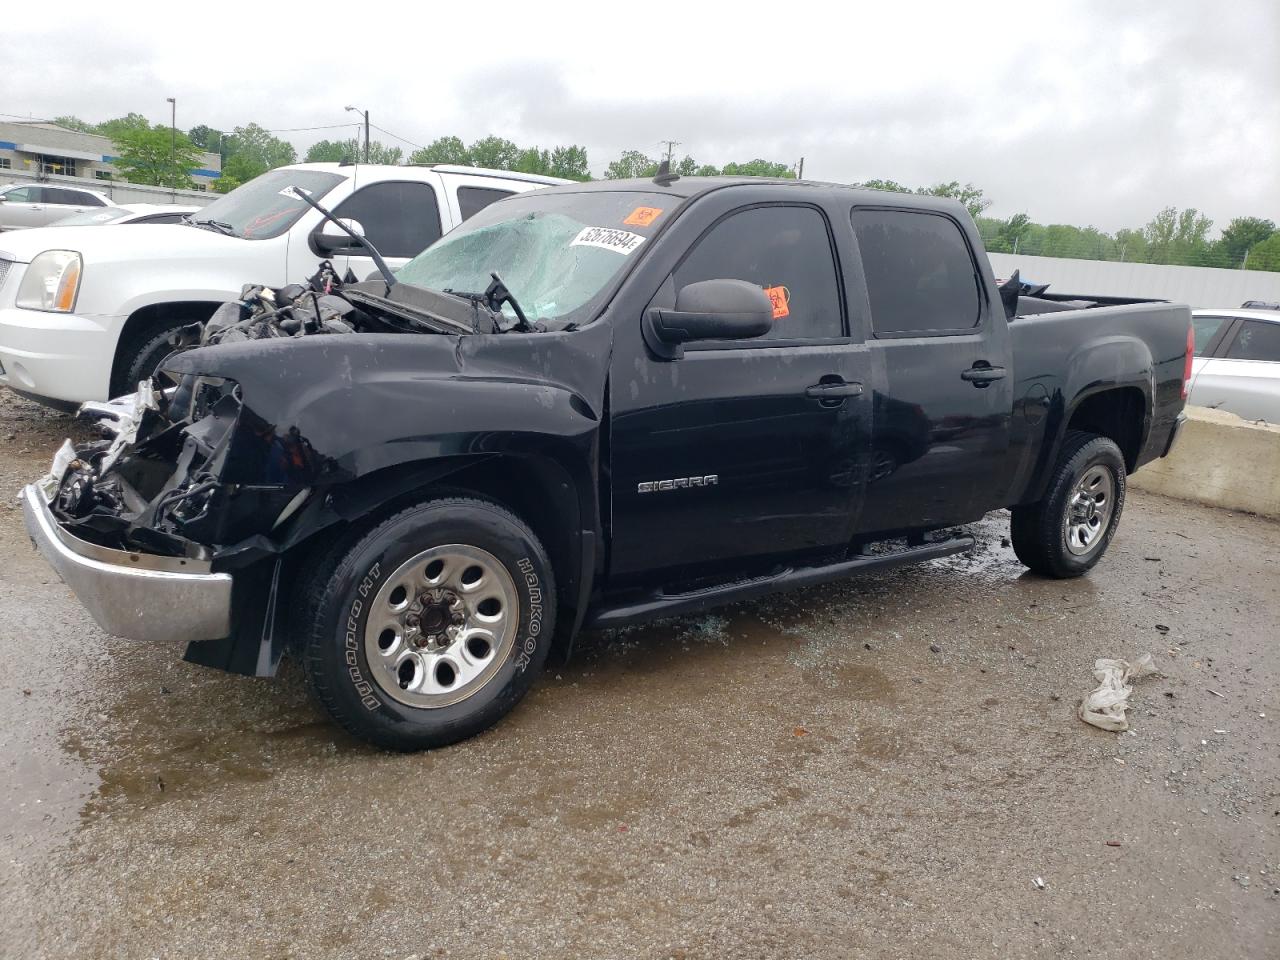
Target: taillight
point(1186, 369)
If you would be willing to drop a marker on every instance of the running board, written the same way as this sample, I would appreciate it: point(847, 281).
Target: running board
point(679, 604)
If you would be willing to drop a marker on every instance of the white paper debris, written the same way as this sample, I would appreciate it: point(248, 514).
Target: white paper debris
point(1105, 706)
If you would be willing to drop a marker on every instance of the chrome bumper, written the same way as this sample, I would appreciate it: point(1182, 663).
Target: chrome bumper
point(136, 595)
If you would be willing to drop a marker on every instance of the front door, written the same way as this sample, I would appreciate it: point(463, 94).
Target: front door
point(943, 385)
point(401, 218)
point(741, 451)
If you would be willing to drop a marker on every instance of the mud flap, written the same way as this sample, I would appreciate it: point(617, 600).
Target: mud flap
point(257, 639)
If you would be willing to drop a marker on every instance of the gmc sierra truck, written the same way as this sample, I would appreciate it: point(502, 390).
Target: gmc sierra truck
point(591, 405)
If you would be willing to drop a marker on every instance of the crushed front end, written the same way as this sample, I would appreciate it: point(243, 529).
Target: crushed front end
point(146, 529)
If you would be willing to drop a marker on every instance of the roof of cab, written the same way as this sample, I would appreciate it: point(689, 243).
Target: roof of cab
point(688, 187)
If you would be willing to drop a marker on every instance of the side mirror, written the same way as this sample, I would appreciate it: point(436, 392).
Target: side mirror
point(709, 310)
point(329, 239)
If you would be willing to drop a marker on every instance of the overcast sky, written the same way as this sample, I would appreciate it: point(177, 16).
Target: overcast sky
point(1073, 112)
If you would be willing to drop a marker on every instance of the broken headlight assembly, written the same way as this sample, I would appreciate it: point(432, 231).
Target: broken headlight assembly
point(158, 478)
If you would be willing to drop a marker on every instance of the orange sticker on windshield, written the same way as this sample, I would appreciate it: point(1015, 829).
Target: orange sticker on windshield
point(642, 216)
point(780, 297)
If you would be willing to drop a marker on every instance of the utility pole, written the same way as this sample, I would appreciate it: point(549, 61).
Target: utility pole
point(366, 129)
point(173, 135)
point(671, 145)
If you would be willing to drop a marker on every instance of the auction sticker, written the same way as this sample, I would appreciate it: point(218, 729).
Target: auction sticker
point(608, 238)
point(780, 297)
point(642, 216)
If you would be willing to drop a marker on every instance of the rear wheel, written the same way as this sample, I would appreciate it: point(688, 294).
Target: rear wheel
point(1068, 531)
point(431, 626)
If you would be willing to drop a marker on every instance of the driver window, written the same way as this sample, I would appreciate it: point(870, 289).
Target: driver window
point(786, 250)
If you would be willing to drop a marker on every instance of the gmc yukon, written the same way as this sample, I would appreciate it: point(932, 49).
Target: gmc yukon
point(588, 406)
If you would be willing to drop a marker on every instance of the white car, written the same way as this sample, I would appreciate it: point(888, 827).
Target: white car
point(1237, 362)
point(86, 312)
point(40, 204)
point(133, 213)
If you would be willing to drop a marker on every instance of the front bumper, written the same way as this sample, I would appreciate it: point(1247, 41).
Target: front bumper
point(140, 596)
point(64, 357)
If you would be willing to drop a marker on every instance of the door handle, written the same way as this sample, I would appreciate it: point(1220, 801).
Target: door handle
point(982, 374)
point(832, 392)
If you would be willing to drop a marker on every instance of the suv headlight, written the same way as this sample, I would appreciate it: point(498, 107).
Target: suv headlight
point(51, 282)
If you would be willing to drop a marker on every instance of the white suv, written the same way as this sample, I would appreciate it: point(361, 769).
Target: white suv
point(85, 312)
point(40, 204)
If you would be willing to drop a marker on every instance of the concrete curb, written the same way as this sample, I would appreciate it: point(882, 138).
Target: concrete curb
point(1222, 461)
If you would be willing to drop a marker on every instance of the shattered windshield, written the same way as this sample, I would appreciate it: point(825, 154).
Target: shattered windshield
point(264, 208)
point(556, 252)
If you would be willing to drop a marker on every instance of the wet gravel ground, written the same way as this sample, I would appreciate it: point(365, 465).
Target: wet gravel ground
point(882, 767)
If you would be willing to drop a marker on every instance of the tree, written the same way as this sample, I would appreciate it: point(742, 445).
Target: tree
point(1265, 255)
point(224, 184)
point(631, 164)
point(969, 195)
point(130, 122)
point(893, 186)
point(347, 151)
point(532, 160)
point(252, 151)
point(494, 153)
point(206, 138)
point(708, 170)
point(76, 124)
point(758, 168)
point(442, 150)
point(155, 156)
point(1242, 234)
point(569, 162)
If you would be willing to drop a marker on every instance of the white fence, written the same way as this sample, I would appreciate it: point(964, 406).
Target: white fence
point(117, 190)
point(1197, 286)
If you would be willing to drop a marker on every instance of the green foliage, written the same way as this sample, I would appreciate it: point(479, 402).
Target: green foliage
point(224, 184)
point(1242, 234)
point(969, 195)
point(76, 124)
point(339, 151)
point(132, 122)
point(569, 162)
point(252, 151)
point(442, 150)
point(494, 153)
point(758, 168)
point(155, 155)
point(207, 139)
point(631, 164)
point(1265, 255)
point(893, 186)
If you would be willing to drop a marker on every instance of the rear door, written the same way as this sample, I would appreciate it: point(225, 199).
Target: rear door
point(943, 387)
point(740, 452)
point(1243, 377)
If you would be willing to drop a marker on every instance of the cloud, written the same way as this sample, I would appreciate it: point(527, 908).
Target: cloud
point(1088, 113)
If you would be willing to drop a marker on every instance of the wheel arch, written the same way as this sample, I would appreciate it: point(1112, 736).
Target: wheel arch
point(144, 320)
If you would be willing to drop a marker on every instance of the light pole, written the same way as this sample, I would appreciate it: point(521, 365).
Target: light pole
point(173, 133)
point(366, 129)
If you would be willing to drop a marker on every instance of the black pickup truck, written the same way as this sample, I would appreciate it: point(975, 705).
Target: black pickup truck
point(591, 405)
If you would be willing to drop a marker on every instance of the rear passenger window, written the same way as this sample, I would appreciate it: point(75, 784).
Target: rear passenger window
point(1256, 340)
point(1206, 329)
point(786, 251)
point(920, 276)
point(400, 218)
point(471, 200)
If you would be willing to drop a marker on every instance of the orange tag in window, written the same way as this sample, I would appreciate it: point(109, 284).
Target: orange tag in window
point(780, 297)
point(642, 216)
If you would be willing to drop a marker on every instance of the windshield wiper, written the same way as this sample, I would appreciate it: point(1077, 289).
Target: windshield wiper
point(494, 296)
point(218, 225)
point(388, 277)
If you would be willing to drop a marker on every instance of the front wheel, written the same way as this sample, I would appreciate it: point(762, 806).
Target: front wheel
point(430, 627)
point(1068, 531)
